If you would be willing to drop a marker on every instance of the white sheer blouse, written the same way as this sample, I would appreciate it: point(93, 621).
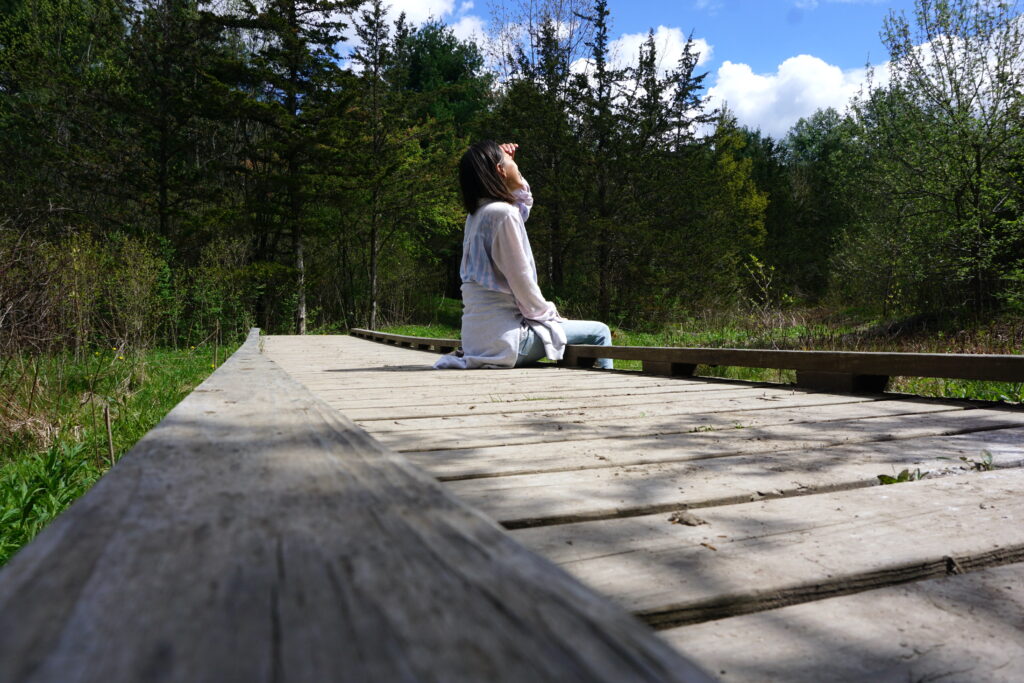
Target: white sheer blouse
point(500, 295)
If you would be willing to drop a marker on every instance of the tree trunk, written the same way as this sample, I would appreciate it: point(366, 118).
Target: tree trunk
point(373, 274)
point(556, 270)
point(300, 267)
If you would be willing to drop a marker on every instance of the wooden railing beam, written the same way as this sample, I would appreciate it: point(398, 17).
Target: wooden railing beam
point(991, 367)
point(847, 371)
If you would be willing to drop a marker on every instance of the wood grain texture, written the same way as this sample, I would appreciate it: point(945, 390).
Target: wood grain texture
point(610, 457)
point(819, 411)
point(603, 493)
point(496, 461)
point(761, 555)
point(660, 397)
point(742, 399)
point(958, 629)
point(256, 535)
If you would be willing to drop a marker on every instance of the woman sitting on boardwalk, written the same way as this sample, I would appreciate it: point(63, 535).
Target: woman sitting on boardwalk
point(506, 322)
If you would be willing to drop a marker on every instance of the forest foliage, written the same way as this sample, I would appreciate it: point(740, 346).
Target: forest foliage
point(173, 167)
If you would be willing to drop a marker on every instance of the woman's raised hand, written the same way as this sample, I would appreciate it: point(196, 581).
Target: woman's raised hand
point(509, 148)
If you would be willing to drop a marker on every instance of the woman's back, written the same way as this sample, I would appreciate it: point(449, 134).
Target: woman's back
point(482, 227)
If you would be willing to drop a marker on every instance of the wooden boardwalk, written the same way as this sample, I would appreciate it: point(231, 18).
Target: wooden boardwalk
point(741, 520)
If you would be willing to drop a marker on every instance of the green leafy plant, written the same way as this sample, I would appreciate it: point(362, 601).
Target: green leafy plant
point(981, 464)
point(905, 475)
point(53, 443)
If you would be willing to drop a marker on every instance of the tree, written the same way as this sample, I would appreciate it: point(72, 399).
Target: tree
point(171, 105)
point(447, 91)
point(446, 75)
point(294, 65)
point(63, 143)
point(942, 138)
point(812, 198)
point(600, 133)
point(688, 112)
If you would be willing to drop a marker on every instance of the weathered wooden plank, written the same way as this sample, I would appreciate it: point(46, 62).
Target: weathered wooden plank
point(469, 415)
point(744, 401)
point(257, 535)
point(467, 396)
point(958, 628)
point(644, 449)
point(459, 399)
point(757, 556)
point(561, 497)
point(551, 431)
point(404, 372)
point(495, 386)
point(307, 357)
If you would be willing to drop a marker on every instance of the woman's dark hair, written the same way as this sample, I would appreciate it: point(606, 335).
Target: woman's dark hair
point(478, 175)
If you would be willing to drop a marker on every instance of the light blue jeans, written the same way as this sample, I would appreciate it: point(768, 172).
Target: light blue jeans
point(531, 349)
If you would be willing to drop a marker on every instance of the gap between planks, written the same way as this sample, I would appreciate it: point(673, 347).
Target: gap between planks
point(552, 431)
point(963, 627)
point(590, 400)
point(559, 498)
point(730, 402)
point(756, 556)
point(626, 451)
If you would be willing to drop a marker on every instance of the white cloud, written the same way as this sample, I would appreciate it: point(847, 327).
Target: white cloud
point(469, 27)
point(669, 41)
point(774, 102)
point(418, 11)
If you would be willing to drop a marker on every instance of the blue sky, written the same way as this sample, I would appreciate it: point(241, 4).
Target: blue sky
point(771, 61)
point(764, 33)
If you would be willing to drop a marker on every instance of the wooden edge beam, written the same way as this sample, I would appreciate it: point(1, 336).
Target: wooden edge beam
point(407, 341)
point(256, 534)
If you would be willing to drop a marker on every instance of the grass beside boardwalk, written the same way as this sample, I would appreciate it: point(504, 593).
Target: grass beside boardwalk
point(836, 333)
point(53, 436)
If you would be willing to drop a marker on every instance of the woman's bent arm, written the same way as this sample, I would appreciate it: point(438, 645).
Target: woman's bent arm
point(509, 254)
point(524, 200)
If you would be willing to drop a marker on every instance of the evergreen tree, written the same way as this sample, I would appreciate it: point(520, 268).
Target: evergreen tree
point(294, 65)
point(63, 143)
point(601, 133)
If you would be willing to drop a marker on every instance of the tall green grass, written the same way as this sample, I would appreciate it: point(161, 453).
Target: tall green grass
point(53, 438)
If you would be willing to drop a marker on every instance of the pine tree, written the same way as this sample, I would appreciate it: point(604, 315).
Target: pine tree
point(293, 67)
point(601, 126)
